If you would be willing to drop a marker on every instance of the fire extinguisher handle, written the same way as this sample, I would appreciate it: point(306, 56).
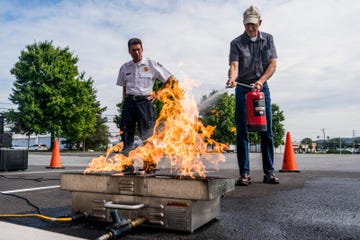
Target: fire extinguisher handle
point(252, 86)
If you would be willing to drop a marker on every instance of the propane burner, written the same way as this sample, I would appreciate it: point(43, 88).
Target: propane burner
point(165, 200)
point(140, 173)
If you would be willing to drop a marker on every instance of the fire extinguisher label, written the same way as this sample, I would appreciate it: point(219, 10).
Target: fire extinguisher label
point(259, 107)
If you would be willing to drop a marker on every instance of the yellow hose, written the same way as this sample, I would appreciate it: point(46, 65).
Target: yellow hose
point(51, 219)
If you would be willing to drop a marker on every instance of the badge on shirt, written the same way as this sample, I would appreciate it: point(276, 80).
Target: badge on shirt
point(146, 69)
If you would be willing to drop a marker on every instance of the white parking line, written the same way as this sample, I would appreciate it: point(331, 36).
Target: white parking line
point(40, 172)
point(30, 189)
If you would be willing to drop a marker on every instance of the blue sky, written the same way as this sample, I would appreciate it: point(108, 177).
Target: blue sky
point(317, 79)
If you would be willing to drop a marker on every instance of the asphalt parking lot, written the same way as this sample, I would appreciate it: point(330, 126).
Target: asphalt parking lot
point(320, 202)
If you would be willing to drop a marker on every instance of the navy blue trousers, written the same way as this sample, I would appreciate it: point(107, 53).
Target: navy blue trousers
point(242, 133)
point(137, 117)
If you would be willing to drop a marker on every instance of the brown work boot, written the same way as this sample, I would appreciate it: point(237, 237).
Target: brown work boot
point(244, 180)
point(270, 178)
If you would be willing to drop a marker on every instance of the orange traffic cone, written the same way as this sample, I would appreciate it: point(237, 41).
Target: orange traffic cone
point(289, 162)
point(55, 158)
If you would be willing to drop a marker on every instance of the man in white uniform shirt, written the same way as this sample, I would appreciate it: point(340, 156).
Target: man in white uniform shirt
point(137, 77)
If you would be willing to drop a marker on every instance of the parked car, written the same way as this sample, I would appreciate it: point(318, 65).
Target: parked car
point(18, 147)
point(40, 147)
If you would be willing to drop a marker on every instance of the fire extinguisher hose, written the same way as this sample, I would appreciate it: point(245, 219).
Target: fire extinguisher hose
point(243, 85)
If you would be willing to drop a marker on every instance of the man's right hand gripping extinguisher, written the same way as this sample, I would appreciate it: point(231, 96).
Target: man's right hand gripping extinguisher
point(255, 111)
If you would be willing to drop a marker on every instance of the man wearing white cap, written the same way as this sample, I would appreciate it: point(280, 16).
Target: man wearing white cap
point(252, 60)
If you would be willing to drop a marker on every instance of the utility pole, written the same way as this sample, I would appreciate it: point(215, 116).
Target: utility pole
point(323, 130)
point(353, 141)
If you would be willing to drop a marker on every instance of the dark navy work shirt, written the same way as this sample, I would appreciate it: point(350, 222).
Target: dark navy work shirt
point(253, 56)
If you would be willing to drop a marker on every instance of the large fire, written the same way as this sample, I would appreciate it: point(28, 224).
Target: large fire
point(179, 137)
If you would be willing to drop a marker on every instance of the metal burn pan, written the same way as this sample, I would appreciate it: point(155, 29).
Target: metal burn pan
point(168, 186)
point(163, 213)
point(166, 201)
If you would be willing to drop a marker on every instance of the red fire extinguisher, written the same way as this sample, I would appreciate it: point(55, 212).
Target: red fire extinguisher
point(255, 111)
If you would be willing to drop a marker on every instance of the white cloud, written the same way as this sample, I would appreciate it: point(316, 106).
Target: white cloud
point(317, 43)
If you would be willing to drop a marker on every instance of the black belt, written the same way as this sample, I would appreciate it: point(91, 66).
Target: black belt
point(136, 97)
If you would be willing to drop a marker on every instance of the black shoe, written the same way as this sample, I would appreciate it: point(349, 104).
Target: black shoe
point(128, 169)
point(244, 180)
point(270, 178)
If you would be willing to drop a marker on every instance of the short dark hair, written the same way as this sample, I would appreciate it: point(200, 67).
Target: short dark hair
point(134, 41)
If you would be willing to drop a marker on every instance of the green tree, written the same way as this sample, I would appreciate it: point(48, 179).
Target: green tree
point(98, 140)
point(52, 97)
point(278, 126)
point(306, 142)
point(117, 118)
point(221, 113)
point(218, 110)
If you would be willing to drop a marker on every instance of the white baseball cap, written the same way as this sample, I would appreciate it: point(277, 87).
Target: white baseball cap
point(252, 15)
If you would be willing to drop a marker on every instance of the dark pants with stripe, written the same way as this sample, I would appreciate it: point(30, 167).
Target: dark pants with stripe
point(137, 114)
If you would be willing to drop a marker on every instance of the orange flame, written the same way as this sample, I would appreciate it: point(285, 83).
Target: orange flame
point(179, 137)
